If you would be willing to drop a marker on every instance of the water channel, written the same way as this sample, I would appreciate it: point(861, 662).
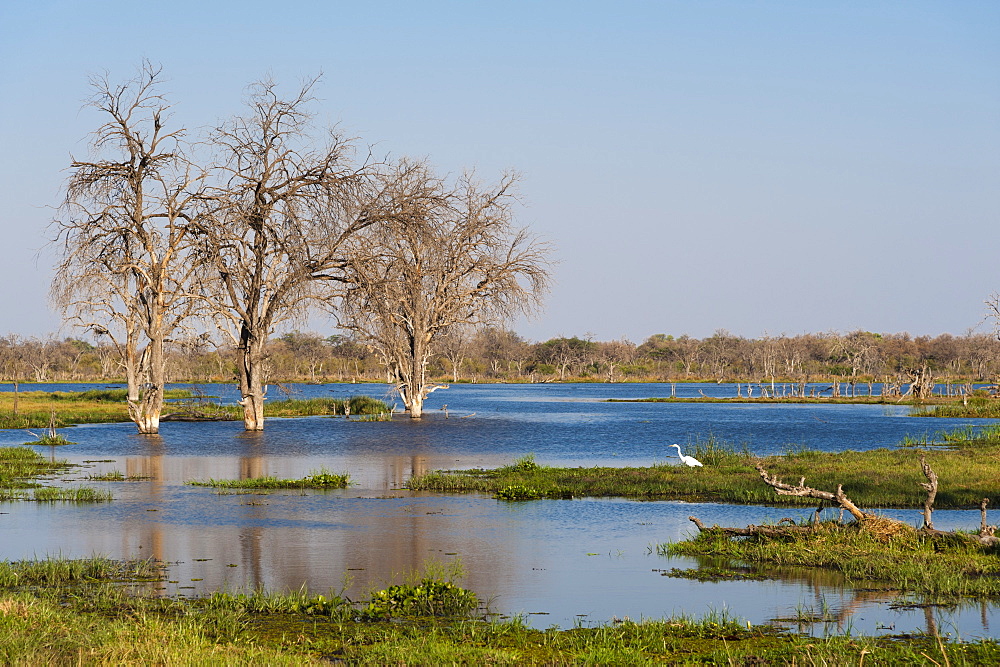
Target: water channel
point(556, 562)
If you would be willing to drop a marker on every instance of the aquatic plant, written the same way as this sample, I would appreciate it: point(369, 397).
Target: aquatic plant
point(429, 597)
point(518, 492)
point(317, 479)
point(81, 494)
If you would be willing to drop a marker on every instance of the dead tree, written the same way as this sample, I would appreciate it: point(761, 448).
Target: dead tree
point(124, 236)
point(808, 492)
point(280, 212)
point(449, 256)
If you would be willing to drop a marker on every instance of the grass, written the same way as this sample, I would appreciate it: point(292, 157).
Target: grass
point(59, 611)
point(943, 567)
point(968, 469)
point(316, 479)
point(94, 406)
point(21, 466)
point(980, 405)
point(39, 409)
point(355, 405)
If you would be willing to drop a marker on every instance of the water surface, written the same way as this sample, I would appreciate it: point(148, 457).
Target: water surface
point(557, 562)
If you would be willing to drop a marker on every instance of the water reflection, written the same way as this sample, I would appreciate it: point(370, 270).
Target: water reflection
point(550, 560)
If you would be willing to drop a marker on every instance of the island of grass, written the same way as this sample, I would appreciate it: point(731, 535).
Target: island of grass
point(78, 612)
point(40, 409)
point(317, 479)
point(968, 465)
point(19, 469)
point(878, 554)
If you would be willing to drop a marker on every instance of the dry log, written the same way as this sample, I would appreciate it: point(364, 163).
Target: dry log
point(808, 492)
point(767, 531)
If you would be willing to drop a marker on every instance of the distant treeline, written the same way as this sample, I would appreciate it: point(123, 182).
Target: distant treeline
point(494, 355)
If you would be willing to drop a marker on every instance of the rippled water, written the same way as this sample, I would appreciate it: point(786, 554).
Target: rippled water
point(558, 562)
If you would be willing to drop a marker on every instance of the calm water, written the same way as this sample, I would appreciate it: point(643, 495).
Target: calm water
point(558, 562)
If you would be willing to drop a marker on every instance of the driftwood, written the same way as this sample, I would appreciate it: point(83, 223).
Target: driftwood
point(884, 527)
point(768, 531)
point(808, 492)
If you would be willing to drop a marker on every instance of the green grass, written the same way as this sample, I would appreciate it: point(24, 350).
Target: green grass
point(968, 470)
point(316, 479)
point(910, 562)
point(19, 466)
point(38, 409)
point(19, 469)
point(77, 612)
point(979, 405)
point(359, 405)
point(58, 611)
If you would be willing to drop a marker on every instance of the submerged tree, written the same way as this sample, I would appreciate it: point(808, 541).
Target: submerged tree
point(281, 211)
point(124, 236)
point(449, 255)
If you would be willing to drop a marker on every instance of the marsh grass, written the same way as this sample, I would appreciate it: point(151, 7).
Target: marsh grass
point(358, 405)
point(907, 561)
point(316, 479)
point(979, 405)
point(39, 409)
point(36, 409)
point(86, 612)
point(967, 469)
point(20, 465)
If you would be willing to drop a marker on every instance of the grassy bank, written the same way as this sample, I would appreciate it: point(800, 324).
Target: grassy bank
point(980, 405)
point(968, 469)
point(35, 409)
point(906, 561)
point(78, 612)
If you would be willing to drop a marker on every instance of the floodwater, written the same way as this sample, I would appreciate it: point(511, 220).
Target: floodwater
point(556, 562)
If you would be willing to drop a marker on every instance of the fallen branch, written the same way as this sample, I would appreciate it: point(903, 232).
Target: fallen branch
point(767, 531)
point(808, 492)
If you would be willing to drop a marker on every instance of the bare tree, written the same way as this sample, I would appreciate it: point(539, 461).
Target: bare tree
point(450, 255)
point(281, 211)
point(123, 235)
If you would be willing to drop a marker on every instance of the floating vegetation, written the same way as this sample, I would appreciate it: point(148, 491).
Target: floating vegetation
point(117, 476)
point(80, 494)
point(19, 465)
point(317, 479)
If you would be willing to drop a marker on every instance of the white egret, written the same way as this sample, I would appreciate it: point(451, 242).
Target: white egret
point(689, 461)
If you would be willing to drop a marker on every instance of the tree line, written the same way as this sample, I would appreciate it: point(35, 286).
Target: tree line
point(169, 239)
point(491, 354)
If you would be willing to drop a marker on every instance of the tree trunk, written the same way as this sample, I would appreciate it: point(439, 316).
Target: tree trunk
point(145, 388)
point(250, 372)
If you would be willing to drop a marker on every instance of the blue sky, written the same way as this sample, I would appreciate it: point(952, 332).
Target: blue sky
point(761, 167)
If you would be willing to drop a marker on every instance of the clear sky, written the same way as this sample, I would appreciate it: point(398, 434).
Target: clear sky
point(756, 166)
